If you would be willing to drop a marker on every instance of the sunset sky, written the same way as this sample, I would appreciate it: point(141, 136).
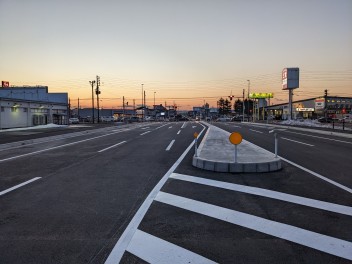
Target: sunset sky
point(187, 51)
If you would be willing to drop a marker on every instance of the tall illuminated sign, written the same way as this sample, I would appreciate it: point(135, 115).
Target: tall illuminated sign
point(290, 81)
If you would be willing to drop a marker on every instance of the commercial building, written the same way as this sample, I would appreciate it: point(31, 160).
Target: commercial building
point(31, 106)
point(332, 106)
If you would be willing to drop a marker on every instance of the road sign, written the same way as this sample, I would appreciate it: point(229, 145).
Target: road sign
point(235, 138)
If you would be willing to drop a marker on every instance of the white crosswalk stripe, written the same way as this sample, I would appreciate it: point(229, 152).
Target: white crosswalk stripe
point(156, 250)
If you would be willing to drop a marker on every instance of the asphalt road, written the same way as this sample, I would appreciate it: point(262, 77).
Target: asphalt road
point(130, 195)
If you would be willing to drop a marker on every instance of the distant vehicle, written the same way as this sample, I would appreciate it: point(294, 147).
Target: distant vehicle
point(107, 119)
point(237, 118)
point(149, 118)
point(325, 119)
point(224, 119)
point(73, 120)
point(133, 119)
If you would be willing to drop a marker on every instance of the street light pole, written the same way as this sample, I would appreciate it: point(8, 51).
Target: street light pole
point(92, 83)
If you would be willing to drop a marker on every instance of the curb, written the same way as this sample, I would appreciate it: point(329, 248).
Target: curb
point(238, 167)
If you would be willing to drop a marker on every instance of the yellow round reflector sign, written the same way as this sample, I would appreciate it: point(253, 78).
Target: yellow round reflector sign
point(195, 134)
point(235, 138)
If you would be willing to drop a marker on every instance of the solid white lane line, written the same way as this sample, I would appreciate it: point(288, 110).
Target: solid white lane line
point(61, 146)
point(121, 245)
point(145, 133)
point(170, 145)
point(318, 175)
point(178, 132)
point(19, 185)
point(256, 131)
point(112, 146)
point(299, 142)
point(336, 208)
point(155, 250)
point(327, 244)
point(325, 138)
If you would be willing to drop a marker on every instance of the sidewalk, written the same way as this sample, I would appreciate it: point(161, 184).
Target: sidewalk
point(216, 153)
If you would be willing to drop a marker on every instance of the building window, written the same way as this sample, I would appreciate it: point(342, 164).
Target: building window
point(25, 110)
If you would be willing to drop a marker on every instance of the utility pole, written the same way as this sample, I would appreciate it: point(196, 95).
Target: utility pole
point(123, 106)
point(142, 103)
point(249, 83)
point(92, 84)
point(325, 103)
point(78, 109)
point(97, 91)
point(144, 107)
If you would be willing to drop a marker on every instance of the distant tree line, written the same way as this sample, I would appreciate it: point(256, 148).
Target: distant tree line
point(224, 106)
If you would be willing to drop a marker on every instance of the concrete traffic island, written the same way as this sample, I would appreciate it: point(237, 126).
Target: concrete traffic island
point(216, 153)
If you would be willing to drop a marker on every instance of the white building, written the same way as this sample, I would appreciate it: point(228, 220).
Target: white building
point(31, 106)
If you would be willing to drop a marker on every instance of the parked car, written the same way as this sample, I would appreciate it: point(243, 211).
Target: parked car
point(325, 119)
point(223, 119)
point(73, 120)
point(237, 118)
point(133, 119)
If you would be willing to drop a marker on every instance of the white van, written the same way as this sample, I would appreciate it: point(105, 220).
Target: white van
point(107, 119)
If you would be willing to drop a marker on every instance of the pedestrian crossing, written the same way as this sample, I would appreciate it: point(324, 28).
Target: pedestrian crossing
point(147, 246)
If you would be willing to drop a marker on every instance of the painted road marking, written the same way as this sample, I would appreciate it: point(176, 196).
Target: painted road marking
point(124, 240)
point(184, 125)
point(170, 145)
point(336, 208)
point(61, 146)
point(178, 132)
point(318, 175)
point(327, 244)
point(19, 185)
point(347, 142)
point(236, 126)
point(256, 131)
point(170, 127)
point(194, 126)
point(299, 142)
point(160, 126)
point(145, 127)
point(145, 133)
point(155, 250)
point(112, 146)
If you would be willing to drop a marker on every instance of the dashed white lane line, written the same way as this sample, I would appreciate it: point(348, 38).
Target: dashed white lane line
point(155, 250)
point(112, 146)
point(336, 208)
point(170, 145)
point(145, 133)
point(170, 127)
point(327, 244)
point(178, 132)
point(299, 142)
point(184, 125)
point(19, 185)
point(256, 131)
